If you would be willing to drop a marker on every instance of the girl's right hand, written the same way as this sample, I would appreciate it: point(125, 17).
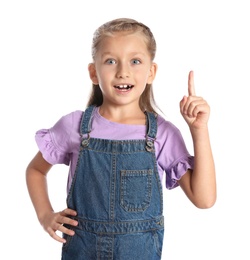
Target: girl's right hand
point(54, 221)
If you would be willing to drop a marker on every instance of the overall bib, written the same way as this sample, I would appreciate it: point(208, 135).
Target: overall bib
point(117, 194)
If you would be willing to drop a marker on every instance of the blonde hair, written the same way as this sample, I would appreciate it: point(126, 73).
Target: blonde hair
point(147, 101)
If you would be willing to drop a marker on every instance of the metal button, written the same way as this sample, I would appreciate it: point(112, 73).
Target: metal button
point(150, 143)
point(85, 142)
point(149, 149)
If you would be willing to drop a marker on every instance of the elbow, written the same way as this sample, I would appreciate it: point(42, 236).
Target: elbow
point(205, 204)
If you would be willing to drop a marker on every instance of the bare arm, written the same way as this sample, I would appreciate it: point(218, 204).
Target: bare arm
point(36, 179)
point(199, 184)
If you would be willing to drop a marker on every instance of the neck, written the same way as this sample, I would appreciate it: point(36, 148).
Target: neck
point(123, 115)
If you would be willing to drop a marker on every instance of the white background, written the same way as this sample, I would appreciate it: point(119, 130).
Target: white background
point(44, 53)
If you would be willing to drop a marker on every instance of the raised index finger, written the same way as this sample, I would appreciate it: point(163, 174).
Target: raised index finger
point(191, 90)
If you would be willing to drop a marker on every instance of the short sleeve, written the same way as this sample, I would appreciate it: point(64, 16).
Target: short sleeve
point(173, 157)
point(54, 143)
point(177, 170)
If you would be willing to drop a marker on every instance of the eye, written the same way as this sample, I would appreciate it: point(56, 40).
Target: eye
point(110, 61)
point(136, 61)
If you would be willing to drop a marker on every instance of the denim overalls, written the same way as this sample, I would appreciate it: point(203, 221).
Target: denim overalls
point(117, 194)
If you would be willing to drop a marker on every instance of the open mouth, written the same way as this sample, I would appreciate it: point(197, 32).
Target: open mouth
point(124, 87)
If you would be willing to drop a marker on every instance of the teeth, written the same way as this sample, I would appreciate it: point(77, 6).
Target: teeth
point(124, 86)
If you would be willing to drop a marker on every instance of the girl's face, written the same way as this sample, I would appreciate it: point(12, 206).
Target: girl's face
point(122, 68)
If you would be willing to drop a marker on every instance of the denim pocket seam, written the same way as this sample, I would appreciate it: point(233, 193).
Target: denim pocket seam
point(124, 201)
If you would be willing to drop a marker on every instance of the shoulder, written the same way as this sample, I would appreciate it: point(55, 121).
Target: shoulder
point(68, 121)
point(66, 128)
point(166, 127)
point(72, 117)
point(168, 134)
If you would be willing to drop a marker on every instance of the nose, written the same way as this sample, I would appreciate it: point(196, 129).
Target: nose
point(122, 71)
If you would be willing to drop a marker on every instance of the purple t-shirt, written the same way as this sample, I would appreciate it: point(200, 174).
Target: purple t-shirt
point(60, 144)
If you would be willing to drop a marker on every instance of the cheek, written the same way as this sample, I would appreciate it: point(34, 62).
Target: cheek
point(143, 76)
point(105, 72)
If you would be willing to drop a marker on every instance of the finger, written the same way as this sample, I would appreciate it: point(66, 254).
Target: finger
point(182, 104)
point(189, 103)
point(54, 235)
point(58, 238)
point(66, 230)
point(68, 221)
point(68, 212)
point(191, 90)
point(196, 107)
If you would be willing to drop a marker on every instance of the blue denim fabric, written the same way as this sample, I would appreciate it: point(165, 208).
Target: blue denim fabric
point(117, 194)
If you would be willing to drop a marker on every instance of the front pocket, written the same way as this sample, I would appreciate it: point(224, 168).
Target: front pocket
point(158, 240)
point(136, 189)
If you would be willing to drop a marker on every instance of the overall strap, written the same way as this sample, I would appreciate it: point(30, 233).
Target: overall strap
point(151, 125)
point(151, 130)
point(85, 127)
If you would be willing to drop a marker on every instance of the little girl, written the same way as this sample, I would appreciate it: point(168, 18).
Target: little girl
point(118, 150)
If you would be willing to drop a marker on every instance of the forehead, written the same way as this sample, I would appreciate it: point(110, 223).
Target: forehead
point(123, 41)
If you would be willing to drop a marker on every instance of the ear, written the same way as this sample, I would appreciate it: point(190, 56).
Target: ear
point(152, 73)
point(92, 73)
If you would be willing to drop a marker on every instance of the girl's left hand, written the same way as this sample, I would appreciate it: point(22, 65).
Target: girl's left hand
point(195, 110)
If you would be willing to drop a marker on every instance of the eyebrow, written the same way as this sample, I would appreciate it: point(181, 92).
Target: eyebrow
point(131, 53)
